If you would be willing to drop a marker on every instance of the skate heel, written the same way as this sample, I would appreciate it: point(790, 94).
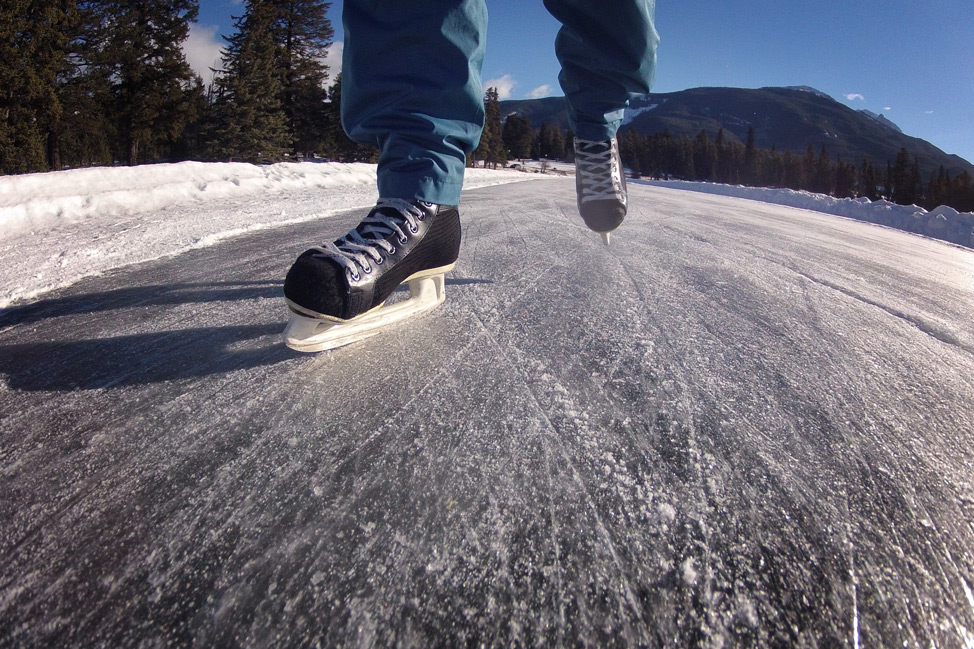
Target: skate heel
point(303, 333)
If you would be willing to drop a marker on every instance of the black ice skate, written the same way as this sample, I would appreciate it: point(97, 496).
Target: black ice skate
point(336, 292)
point(600, 185)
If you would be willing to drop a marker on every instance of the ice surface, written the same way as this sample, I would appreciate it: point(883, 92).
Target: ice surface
point(742, 424)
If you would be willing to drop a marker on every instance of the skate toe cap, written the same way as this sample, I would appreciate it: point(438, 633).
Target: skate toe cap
point(317, 284)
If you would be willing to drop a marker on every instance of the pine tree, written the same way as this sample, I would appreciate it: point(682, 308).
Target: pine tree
point(809, 164)
point(704, 157)
point(556, 145)
point(138, 47)
point(845, 179)
point(496, 153)
point(905, 179)
point(86, 132)
point(304, 33)
point(517, 135)
point(822, 176)
point(33, 53)
point(335, 144)
point(937, 188)
point(491, 148)
point(750, 158)
point(629, 148)
point(868, 183)
point(249, 120)
point(915, 181)
point(544, 141)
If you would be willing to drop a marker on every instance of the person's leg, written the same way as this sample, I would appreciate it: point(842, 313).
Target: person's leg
point(607, 51)
point(411, 86)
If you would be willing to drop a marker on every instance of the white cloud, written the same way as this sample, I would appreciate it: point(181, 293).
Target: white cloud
point(540, 91)
point(202, 49)
point(887, 108)
point(333, 59)
point(504, 86)
point(855, 96)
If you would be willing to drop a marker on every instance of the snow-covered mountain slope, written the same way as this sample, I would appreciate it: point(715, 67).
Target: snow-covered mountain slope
point(740, 424)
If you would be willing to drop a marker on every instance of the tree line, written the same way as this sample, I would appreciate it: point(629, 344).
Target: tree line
point(101, 82)
point(719, 159)
point(722, 160)
point(514, 138)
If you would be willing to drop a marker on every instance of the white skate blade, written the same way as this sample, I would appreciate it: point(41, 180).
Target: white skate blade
point(306, 334)
point(605, 237)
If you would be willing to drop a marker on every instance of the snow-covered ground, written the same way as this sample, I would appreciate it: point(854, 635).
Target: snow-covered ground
point(944, 223)
point(56, 228)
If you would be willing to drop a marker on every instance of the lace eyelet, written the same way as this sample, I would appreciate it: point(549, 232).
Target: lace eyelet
point(403, 240)
point(368, 270)
point(393, 251)
point(414, 230)
point(354, 277)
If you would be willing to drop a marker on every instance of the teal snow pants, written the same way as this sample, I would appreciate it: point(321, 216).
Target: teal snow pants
point(411, 81)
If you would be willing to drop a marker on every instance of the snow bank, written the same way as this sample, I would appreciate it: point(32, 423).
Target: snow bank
point(39, 201)
point(943, 223)
point(56, 228)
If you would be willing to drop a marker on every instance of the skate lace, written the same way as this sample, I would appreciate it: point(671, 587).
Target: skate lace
point(364, 245)
point(599, 175)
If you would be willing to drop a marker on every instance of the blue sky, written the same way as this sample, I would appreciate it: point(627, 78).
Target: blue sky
point(911, 61)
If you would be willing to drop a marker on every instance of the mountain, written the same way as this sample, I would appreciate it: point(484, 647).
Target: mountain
point(788, 119)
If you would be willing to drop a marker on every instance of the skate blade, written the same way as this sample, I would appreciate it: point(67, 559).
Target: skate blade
point(307, 334)
point(606, 236)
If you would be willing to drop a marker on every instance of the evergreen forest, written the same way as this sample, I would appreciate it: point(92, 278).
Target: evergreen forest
point(105, 82)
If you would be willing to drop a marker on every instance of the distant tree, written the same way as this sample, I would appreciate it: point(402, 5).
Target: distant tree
point(906, 182)
point(491, 148)
point(544, 141)
point(821, 178)
point(496, 151)
point(303, 34)
point(916, 182)
point(683, 163)
point(630, 147)
point(750, 174)
point(517, 135)
point(536, 145)
point(704, 157)
point(937, 188)
point(138, 49)
point(556, 144)
point(960, 194)
point(34, 40)
point(340, 146)
point(845, 179)
point(868, 182)
point(569, 146)
point(249, 120)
